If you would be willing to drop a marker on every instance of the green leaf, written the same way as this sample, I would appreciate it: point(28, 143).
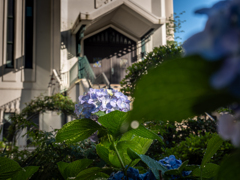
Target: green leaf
point(230, 167)
point(213, 145)
point(91, 174)
point(145, 133)
point(122, 147)
point(25, 173)
point(100, 113)
point(137, 144)
point(77, 130)
point(183, 166)
point(113, 122)
point(103, 153)
point(113, 158)
point(132, 154)
point(76, 167)
point(190, 167)
point(8, 167)
point(144, 143)
point(152, 164)
point(208, 171)
point(179, 170)
point(62, 166)
point(176, 90)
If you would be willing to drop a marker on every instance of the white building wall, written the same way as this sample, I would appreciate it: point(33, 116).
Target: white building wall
point(20, 84)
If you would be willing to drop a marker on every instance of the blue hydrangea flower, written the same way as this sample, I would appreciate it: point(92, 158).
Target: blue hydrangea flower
point(220, 40)
point(101, 100)
point(172, 163)
point(133, 174)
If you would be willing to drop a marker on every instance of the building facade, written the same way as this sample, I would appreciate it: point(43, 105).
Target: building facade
point(50, 46)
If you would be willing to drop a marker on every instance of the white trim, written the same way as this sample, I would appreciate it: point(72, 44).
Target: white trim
point(114, 4)
point(57, 77)
point(145, 16)
point(163, 14)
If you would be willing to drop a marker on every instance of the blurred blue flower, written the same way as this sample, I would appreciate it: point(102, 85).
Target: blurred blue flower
point(133, 174)
point(170, 162)
point(101, 100)
point(220, 41)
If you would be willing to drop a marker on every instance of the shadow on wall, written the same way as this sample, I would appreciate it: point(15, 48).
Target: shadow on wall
point(4, 70)
point(68, 42)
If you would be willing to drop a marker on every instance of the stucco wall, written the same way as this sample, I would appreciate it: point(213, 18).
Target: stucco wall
point(25, 84)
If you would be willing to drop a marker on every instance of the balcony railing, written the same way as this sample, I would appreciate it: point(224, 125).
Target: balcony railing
point(82, 70)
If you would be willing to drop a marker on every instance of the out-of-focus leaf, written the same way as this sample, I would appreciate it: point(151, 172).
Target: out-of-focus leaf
point(213, 145)
point(8, 168)
point(92, 174)
point(176, 90)
point(229, 168)
point(209, 170)
point(25, 173)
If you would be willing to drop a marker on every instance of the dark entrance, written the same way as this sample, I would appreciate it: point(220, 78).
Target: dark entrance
point(110, 52)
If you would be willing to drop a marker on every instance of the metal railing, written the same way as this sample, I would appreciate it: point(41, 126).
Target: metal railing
point(85, 70)
point(82, 69)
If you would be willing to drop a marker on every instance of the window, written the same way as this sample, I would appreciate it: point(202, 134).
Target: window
point(10, 34)
point(29, 34)
point(6, 123)
point(34, 129)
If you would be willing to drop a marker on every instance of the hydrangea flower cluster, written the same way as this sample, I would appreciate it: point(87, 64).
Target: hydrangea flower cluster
point(104, 100)
point(133, 174)
point(172, 163)
point(220, 40)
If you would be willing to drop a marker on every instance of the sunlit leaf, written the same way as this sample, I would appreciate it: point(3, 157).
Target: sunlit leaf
point(77, 130)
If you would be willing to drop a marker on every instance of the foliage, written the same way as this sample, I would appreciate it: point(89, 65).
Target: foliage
point(116, 140)
point(193, 147)
point(177, 90)
point(229, 168)
point(152, 60)
point(10, 169)
point(48, 153)
point(40, 104)
point(174, 133)
point(173, 26)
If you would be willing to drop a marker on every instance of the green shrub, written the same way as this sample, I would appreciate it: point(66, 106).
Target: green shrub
point(193, 149)
point(151, 60)
point(48, 153)
point(175, 133)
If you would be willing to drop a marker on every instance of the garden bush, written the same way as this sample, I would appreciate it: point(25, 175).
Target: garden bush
point(193, 148)
point(174, 133)
point(151, 60)
point(48, 153)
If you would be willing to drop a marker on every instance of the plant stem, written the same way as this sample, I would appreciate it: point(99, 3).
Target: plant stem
point(118, 155)
point(201, 174)
point(129, 165)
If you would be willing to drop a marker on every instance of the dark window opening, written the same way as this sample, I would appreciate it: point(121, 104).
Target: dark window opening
point(10, 35)
point(33, 129)
point(6, 123)
point(29, 34)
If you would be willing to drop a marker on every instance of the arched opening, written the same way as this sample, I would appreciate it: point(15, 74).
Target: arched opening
point(110, 52)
